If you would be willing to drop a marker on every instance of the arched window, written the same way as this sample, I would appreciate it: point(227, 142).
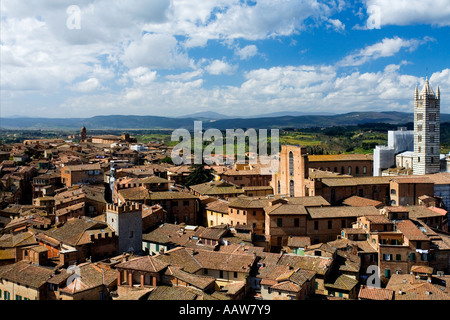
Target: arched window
point(291, 163)
point(279, 187)
point(291, 188)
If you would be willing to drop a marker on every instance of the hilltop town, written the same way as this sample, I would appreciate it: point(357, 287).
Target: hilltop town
point(104, 218)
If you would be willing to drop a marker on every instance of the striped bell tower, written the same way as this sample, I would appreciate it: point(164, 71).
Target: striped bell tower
point(426, 130)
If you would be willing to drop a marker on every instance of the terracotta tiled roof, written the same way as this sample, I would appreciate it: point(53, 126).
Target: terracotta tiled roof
point(26, 274)
point(286, 286)
point(286, 209)
point(224, 261)
point(218, 206)
point(372, 293)
point(216, 188)
point(168, 195)
point(82, 167)
point(175, 293)
point(343, 282)
point(298, 241)
point(422, 269)
point(355, 181)
point(337, 212)
point(199, 281)
point(356, 201)
point(180, 257)
point(420, 212)
point(146, 263)
point(318, 264)
point(171, 234)
point(378, 219)
point(72, 231)
point(410, 231)
point(340, 157)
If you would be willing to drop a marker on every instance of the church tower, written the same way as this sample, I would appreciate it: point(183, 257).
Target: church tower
point(83, 134)
point(426, 130)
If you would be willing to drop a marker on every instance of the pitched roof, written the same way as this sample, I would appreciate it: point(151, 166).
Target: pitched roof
point(410, 231)
point(372, 293)
point(180, 257)
point(171, 195)
point(199, 281)
point(72, 231)
point(224, 261)
point(175, 293)
point(146, 263)
point(356, 201)
point(340, 157)
point(340, 212)
point(355, 181)
point(216, 188)
point(26, 273)
point(91, 276)
point(286, 209)
point(168, 233)
point(318, 264)
point(298, 241)
point(343, 282)
point(218, 206)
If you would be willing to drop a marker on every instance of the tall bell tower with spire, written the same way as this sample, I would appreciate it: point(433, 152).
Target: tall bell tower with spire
point(426, 130)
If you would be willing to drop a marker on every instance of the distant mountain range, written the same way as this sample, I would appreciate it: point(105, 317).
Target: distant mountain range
point(211, 115)
point(210, 120)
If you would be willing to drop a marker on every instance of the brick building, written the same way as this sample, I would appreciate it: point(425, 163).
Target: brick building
point(81, 174)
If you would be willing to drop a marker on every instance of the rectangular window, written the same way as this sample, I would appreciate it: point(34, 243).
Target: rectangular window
point(254, 212)
point(342, 223)
point(185, 203)
point(432, 127)
point(18, 297)
point(6, 295)
point(279, 222)
point(398, 257)
point(235, 274)
point(432, 139)
point(330, 224)
point(221, 274)
point(432, 116)
point(419, 127)
point(420, 116)
point(296, 222)
point(316, 225)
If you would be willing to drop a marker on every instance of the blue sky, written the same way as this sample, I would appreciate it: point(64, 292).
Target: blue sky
point(175, 57)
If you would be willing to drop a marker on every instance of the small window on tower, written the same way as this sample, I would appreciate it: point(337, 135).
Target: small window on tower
point(419, 138)
point(431, 138)
point(420, 116)
point(419, 127)
point(432, 127)
point(432, 116)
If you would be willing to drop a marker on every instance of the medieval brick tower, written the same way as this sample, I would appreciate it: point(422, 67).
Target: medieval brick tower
point(83, 134)
point(426, 131)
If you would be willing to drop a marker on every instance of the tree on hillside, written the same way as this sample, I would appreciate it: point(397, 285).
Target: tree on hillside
point(199, 174)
